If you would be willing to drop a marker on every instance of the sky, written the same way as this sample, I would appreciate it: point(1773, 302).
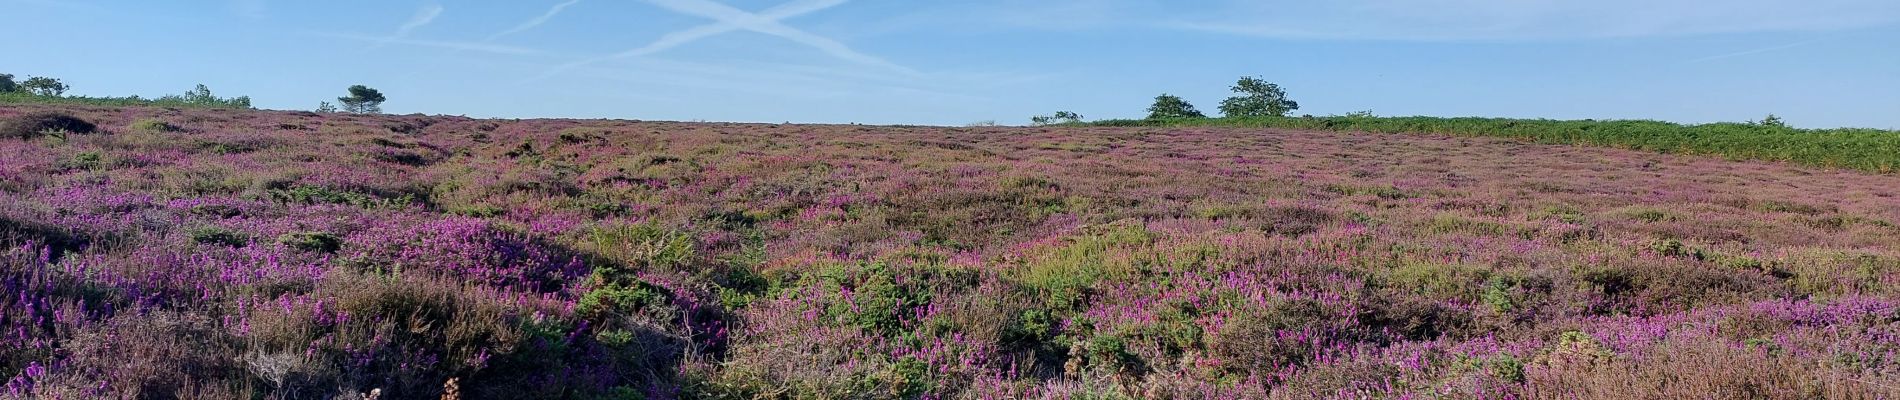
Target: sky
point(1815, 63)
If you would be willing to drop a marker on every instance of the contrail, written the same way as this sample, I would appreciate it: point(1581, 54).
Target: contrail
point(532, 23)
point(1755, 51)
point(458, 46)
point(769, 24)
point(423, 17)
point(731, 19)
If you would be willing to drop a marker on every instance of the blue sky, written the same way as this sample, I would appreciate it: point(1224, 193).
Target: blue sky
point(1816, 63)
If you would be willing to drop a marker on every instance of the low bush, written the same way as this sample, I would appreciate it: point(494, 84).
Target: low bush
point(153, 125)
point(37, 124)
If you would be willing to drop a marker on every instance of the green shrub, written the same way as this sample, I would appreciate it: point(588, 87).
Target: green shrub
point(1066, 274)
point(1507, 368)
point(83, 161)
point(1675, 248)
point(321, 242)
point(153, 125)
point(320, 195)
point(219, 236)
point(1651, 215)
point(1497, 294)
point(614, 297)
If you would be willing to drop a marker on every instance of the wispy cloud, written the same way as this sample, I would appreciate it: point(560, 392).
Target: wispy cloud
point(732, 19)
point(790, 82)
point(534, 22)
point(442, 44)
point(1458, 20)
point(1753, 51)
point(66, 4)
point(423, 17)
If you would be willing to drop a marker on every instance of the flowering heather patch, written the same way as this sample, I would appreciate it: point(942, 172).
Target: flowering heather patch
point(252, 254)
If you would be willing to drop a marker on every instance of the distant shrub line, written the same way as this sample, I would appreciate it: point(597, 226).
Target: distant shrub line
point(128, 101)
point(1260, 104)
point(1853, 148)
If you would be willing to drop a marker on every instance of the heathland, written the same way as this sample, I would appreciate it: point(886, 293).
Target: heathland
point(211, 253)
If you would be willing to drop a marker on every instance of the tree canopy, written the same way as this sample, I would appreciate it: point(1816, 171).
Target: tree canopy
point(362, 100)
point(1257, 98)
point(1169, 106)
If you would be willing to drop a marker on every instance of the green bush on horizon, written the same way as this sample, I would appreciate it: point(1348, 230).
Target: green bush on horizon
point(1865, 149)
point(199, 97)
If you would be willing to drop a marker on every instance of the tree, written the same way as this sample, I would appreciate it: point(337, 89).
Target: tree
point(1169, 106)
point(7, 85)
point(1772, 121)
point(362, 100)
point(202, 96)
point(1257, 99)
point(1060, 117)
point(326, 107)
point(44, 86)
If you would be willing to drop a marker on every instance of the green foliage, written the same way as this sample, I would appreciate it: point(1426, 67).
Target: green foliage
point(153, 125)
point(1167, 107)
point(7, 85)
point(84, 161)
point(1772, 121)
point(1497, 294)
point(219, 236)
point(1507, 367)
point(1066, 274)
point(1383, 192)
point(44, 86)
point(1856, 148)
point(320, 242)
point(1647, 214)
point(1110, 353)
point(201, 96)
point(1059, 118)
point(305, 194)
point(644, 246)
point(1257, 98)
point(1675, 248)
point(875, 297)
point(326, 107)
point(1438, 280)
point(617, 296)
point(362, 100)
point(1032, 326)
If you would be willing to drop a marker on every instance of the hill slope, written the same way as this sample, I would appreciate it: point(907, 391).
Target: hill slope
point(218, 253)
